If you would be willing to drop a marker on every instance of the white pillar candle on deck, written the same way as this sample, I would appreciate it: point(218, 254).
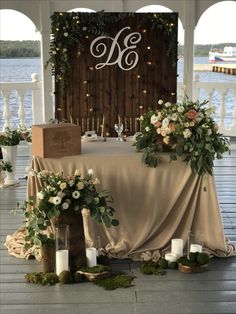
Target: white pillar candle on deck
point(177, 246)
point(91, 254)
point(62, 261)
point(195, 248)
point(171, 257)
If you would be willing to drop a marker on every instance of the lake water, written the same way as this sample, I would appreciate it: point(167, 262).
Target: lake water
point(20, 70)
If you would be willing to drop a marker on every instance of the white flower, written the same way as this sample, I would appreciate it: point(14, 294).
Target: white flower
point(192, 123)
point(154, 119)
point(167, 130)
point(180, 109)
point(158, 130)
point(54, 52)
point(167, 104)
point(174, 117)
point(140, 118)
point(64, 49)
point(66, 34)
point(51, 199)
point(147, 129)
point(56, 200)
point(40, 195)
point(96, 181)
point(76, 194)
point(84, 28)
point(160, 102)
point(71, 183)
point(80, 185)
point(186, 124)
point(63, 185)
point(187, 133)
point(165, 122)
point(77, 172)
point(90, 172)
point(163, 133)
point(65, 206)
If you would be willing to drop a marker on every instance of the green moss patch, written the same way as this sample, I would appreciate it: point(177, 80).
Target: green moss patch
point(116, 280)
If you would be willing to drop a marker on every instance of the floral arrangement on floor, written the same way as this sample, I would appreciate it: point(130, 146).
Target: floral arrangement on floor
point(59, 194)
point(186, 129)
point(10, 137)
point(5, 166)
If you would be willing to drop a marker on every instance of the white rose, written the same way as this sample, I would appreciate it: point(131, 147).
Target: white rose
point(187, 133)
point(174, 117)
point(167, 104)
point(180, 109)
point(160, 102)
point(65, 206)
point(191, 123)
point(165, 122)
point(163, 133)
point(158, 130)
point(166, 139)
point(80, 185)
point(154, 119)
point(186, 124)
point(147, 129)
point(66, 34)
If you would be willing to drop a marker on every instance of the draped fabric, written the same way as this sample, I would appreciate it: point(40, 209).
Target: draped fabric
point(153, 205)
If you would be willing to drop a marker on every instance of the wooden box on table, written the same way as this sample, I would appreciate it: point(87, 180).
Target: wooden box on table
point(56, 140)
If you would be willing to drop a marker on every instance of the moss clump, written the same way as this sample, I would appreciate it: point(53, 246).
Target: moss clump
point(152, 268)
point(193, 257)
point(163, 263)
point(203, 258)
point(65, 277)
point(115, 281)
point(42, 278)
point(78, 262)
point(173, 265)
point(186, 262)
point(96, 269)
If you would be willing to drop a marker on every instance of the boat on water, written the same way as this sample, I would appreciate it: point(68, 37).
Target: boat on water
point(227, 55)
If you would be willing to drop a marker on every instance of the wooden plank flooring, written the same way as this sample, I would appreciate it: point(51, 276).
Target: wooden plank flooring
point(213, 292)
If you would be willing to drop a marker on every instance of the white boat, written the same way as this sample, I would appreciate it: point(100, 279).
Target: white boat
point(228, 55)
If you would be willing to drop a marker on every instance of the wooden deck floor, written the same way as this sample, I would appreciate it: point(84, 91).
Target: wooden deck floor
point(213, 292)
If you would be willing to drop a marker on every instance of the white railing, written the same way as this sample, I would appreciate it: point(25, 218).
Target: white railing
point(13, 96)
point(221, 95)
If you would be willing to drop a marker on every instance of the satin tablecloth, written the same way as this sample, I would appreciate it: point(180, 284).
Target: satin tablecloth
point(153, 205)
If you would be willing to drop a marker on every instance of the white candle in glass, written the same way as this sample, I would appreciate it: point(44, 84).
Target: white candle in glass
point(195, 248)
point(91, 254)
point(171, 257)
point(62, 261)
point(177, 246)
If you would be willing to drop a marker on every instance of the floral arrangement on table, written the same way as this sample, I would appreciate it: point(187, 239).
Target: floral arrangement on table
point(10, 137)
point(58, 195)
point(186, 129)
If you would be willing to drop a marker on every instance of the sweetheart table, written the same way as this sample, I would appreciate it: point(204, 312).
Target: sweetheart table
point(153, 205)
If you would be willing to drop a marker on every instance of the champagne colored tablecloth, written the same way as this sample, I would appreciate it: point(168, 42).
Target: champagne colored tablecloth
point(153, 205)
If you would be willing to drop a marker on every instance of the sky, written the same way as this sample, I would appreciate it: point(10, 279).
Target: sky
point(216, 25)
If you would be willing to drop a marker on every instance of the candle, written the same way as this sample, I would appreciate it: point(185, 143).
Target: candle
point(195, 248)
point(62, 261)
point(91, 254)
point(171, 257)
point(177, 247)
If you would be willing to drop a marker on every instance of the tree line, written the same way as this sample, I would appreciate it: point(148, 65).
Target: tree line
point(19, 49)
point(31, 49)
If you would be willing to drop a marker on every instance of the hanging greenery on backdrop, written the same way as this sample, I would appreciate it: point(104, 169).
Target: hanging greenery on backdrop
point(89, 95)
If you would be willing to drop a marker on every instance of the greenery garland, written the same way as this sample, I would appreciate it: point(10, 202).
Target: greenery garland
point(71, 28)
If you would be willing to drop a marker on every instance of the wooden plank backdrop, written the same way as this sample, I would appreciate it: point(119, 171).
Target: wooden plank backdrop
point(91, 94)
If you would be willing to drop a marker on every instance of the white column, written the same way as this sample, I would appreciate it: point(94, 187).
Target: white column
point(21, 111)
point(189, 26)
point(6, 110)
point(45, 13)
point(37, 109)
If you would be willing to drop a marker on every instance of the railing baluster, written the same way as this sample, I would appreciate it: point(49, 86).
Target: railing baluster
point(21, 111)
point(6, 110)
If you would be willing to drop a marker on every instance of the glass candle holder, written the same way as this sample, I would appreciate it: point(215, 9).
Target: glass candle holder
point(62, 248)
point(195, 242)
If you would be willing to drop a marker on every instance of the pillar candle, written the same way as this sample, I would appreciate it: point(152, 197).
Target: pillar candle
point(91, 254)
point(171, 257)
point(62, 261)
point(177, 247)
point(195, 248)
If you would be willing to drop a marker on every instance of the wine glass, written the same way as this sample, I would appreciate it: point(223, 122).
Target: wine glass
point(119, 127)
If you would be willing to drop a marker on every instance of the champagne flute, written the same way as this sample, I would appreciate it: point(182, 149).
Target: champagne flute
point(119, 127)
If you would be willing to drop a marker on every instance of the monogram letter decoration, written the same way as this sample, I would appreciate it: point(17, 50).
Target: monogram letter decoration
point(127, 57)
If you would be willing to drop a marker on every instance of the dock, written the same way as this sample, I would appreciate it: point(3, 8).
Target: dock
point(220, 68)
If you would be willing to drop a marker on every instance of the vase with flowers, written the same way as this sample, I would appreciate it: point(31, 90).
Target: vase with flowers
point(9, 139)
point(60, 201)
point(187, 129)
